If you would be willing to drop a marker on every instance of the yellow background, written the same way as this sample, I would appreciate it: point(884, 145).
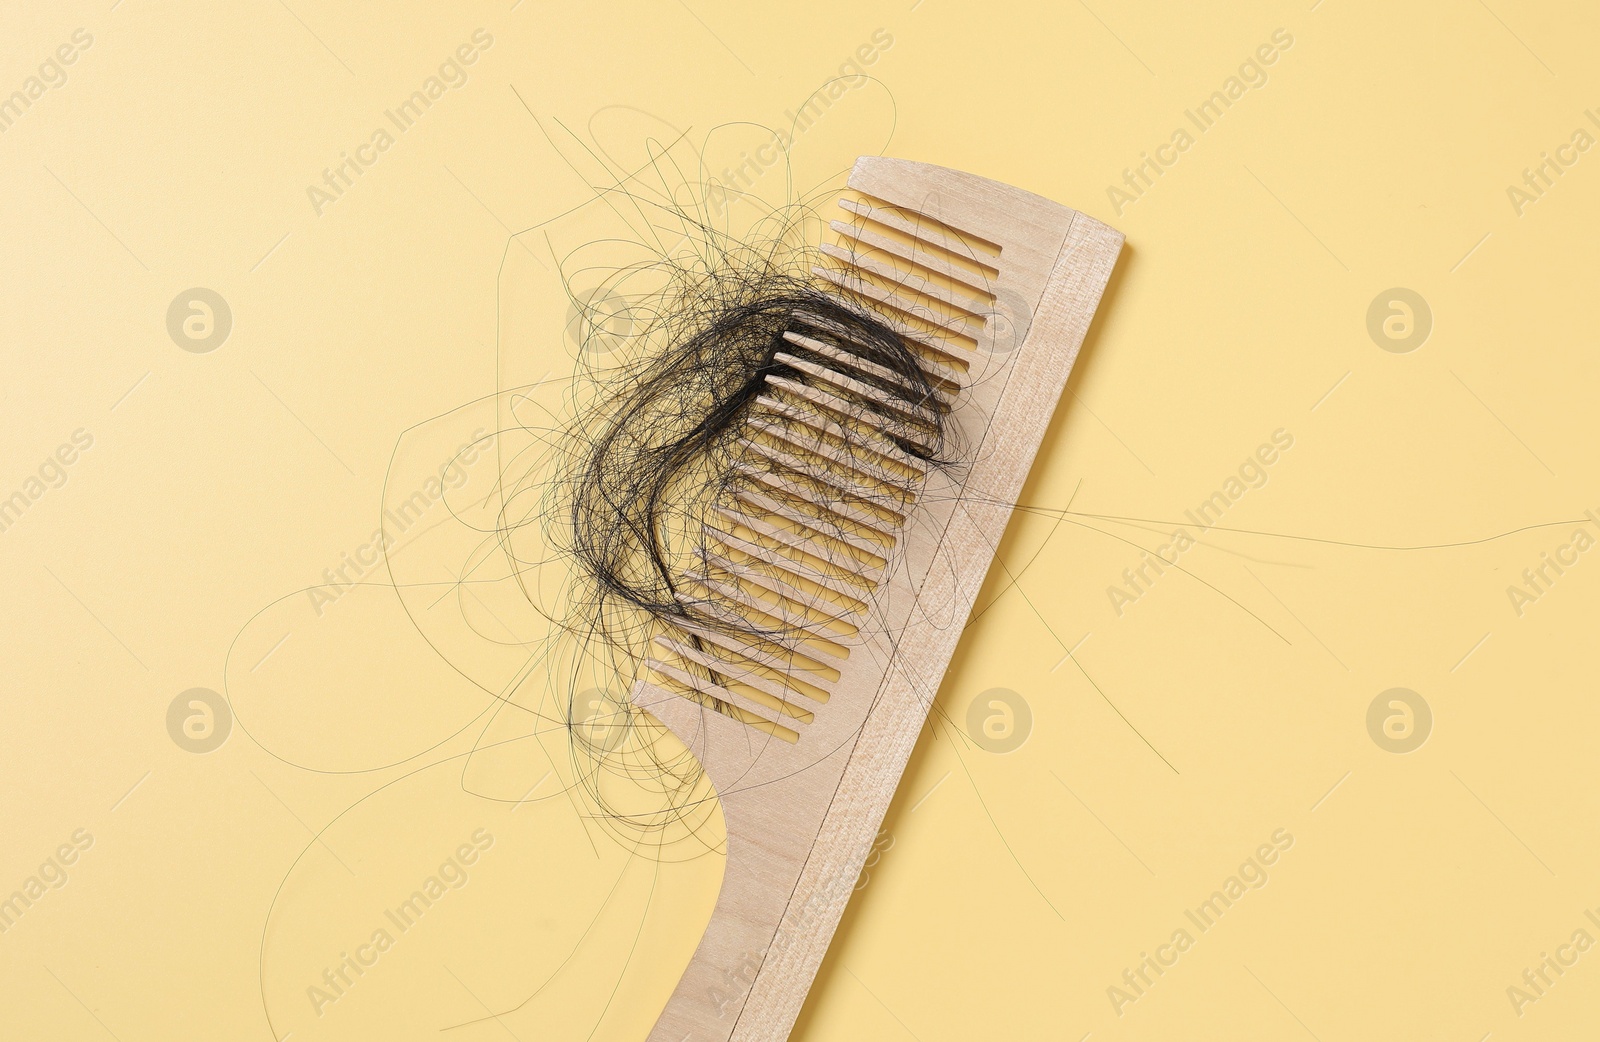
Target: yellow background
point(1015, 888)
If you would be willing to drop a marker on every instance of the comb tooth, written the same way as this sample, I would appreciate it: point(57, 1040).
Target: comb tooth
point(739, 645)
point(868, 575)
point(856, 463)
point(939, 265)
point(743, 674)
point(915, 283)
point(932, 233)
point(820, 421)
point(873, 369)
point(919, 414)
point(706, 687)
point(808, 534)
point(838, 508)
point(958, 329)
point(824, 399)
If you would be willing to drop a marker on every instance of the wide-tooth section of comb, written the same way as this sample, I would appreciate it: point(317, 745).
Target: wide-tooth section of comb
point(945, 365)
point(818, 670)
point(902, 435)
point(872, 372)
point(779, 576)
point(834, 576)
point(721, 674)
point(750, 603)
point(861, 238)
point(733, 667)
point(873, 400)
point(942, 344)
point(860, 463)
point(872, 443)
point(869, 517)
point(816, 559)
point(926, 229)
point(912, 282)
point(708, 686)
point(835, 545)
point(821, 472)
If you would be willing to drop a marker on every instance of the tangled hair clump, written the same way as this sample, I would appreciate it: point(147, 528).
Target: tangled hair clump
point(665, 447)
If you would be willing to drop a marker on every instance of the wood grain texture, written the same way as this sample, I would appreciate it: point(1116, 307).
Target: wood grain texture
point(802, 815)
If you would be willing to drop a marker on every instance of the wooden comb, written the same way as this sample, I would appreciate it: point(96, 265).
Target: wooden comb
point(805, 741)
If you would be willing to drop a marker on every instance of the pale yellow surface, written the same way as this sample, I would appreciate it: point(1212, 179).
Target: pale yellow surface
point(1015, 889)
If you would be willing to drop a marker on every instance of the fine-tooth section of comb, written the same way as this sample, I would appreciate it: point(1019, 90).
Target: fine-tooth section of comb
point(847, 555)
